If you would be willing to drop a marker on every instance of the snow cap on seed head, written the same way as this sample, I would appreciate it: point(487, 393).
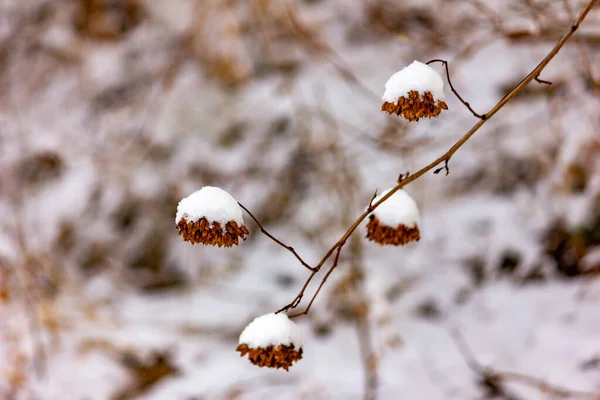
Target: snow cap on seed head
point(210, 216)
point(414, 92)
point(212, 203)
point(416, 77)
point(399, 209)
point(395, 221)
point(272, 341)
point(271, 329)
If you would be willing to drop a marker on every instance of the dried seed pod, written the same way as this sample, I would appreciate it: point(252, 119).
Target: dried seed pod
point(414, 92)
point(395, 221)
point(272, 341)
point(210, 216)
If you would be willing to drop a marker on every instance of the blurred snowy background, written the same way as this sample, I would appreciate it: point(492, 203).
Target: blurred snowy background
point(113, 110)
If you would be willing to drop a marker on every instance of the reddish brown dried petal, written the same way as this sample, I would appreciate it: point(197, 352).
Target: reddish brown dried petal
point(415, 106)
point(217, 227)
point(243, 349)
point(213, 234)
point(384, 235)
point(230, 228)
point(271, 357)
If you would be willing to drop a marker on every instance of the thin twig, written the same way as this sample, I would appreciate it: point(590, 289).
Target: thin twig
point(403, 176)
point(497, 378)
point(445, 158)
point(373, 198)
point(299, 296)
point(333, 266)
point(279, 242)
point(585, 60)
point(445, 167)
point(538, 80)
point(445, 64)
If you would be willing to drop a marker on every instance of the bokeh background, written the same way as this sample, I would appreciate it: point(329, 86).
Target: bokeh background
point(113, 110)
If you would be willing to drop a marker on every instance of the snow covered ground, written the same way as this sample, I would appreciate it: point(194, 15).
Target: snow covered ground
point(110, 116)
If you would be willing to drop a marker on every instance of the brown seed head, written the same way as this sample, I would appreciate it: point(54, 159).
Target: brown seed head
point(272, 357)
point(383, 234)
point(211, 234)
point(415, 106)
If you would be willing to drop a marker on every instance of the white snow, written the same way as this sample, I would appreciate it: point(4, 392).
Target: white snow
point(399, 209)
point(212, 203)
point(418, 77)
point(90, 324)
point(271, 329)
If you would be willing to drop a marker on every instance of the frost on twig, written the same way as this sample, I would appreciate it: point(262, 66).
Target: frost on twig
point(396, 221)
point(210, 216)
point(272, 341)
point(415, 92)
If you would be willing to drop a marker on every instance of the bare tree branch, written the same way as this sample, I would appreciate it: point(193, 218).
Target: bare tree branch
point(445, 158)
point(538, 80)
point(458, 96)
point(279, 242)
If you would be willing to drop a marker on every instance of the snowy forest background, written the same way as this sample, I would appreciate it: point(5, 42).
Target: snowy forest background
point(113, 110)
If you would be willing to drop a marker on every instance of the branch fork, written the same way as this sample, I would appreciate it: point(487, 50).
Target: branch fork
point(405, 179)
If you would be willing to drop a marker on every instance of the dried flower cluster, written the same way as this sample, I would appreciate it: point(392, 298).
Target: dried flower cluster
point(415, 106)
point(210, 216)
point(272, 341)
point(387, 235)
point(396, 221)
point(213, 234)
point(271, 357)
point(414, 92)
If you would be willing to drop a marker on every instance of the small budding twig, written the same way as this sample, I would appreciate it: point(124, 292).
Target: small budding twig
point(445, 167)
point(373, 198)
point(403, 176)
point(279, 242)
point(443, 158)
point(466, 104)
point(538, 80)
point(333, 266)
